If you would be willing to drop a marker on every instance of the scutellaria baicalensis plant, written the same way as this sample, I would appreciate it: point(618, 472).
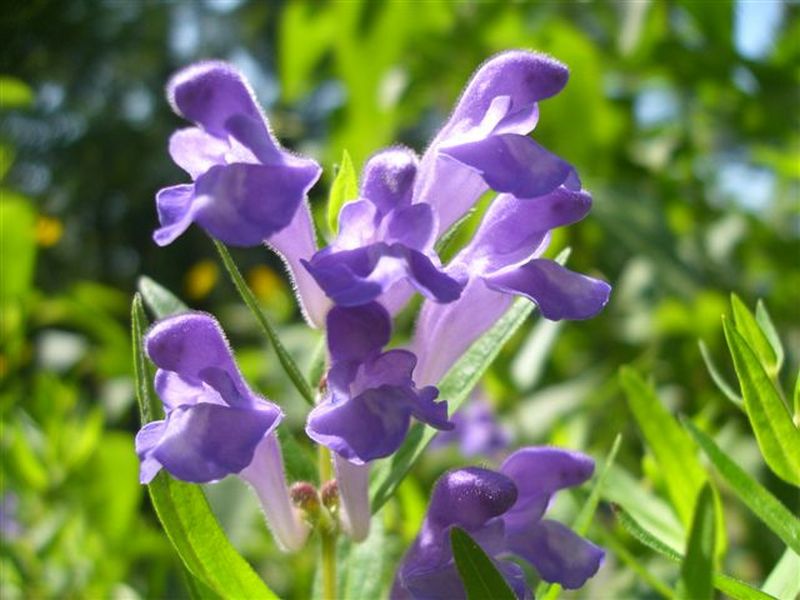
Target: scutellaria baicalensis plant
point(247, 190)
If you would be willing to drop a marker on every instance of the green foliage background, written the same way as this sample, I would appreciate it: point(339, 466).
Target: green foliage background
point(688, 140)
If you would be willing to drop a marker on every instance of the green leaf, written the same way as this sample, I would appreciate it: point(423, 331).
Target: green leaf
point(722, 385)
point(287, 362)
point(768, 327)
point(182, 508)
point(672, 447)
point(159, 299)
point(478, 574)
point(343, 189)
point(783, 581)
point(750, 330)
point(757, 498)
point(776, 434)
point(368, 566)
point(698, 564)
point(724, 583)
point(796, 401)
point(455, 387)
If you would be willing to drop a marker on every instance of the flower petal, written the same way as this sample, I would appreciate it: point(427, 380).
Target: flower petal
point(412, 226)
point(558, 553)
point(372, 425)
point(209, 93)
point(470, 497)
point(538, 473)
point(195, 151)
point(294, 243)
point(244, 204)
point(388, 179)
point(512, 163)
point(559, 292)
point(146, 441)
point(355, 333)
point(175, 206)
point(206, 442)
point(353, 277)
point(445, 331)
point(514, 230)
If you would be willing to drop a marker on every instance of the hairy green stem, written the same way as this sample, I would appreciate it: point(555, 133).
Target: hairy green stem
point(327, 535)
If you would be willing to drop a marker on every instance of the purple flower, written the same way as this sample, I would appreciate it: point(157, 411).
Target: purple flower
point(245, 186)
point(215, 425)
point(383, 239)
point(503, 260)
point(370, 400)
point(502, 511)
point(476, 430)
point(485, 142)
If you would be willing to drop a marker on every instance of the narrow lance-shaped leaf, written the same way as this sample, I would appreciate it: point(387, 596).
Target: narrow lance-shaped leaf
point(750, 330)
point(783, 582)
point(670, 445)
point(159, 299)
point(724, 583)
point(183, 509)
point(286, 360)
point(722, 385)
point(777, 436)
point(343, 189)
point(697, 566)
point(757, 498)
point(480, 577)
point(768, 327)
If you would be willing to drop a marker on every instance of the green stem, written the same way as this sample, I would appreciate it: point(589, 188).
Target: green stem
point(327, 536)
point(266, 324)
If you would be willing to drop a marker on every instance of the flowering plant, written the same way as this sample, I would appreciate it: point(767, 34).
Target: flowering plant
point(246, 191)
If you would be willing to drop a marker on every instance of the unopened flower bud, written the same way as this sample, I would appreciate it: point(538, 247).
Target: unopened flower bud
point(305, 497)
point(330, 495)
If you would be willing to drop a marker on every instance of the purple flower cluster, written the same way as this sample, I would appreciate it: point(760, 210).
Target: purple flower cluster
point(503, 512)
point(246, 190)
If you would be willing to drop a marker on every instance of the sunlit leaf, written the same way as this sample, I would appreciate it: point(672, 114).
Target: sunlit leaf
point(763, 504)
point(182, 507)
point(750, 330)
point(724, 583)
point(478, 573)
point(768, 327)
point(672, 447)
point(343, 190)
point(698, 564)
point(783, 582)
point(159, 299)
point(14, 93)
point(776, 434)
point(722, 385)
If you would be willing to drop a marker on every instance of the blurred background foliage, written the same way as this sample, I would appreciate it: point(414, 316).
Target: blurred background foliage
point(680, 116)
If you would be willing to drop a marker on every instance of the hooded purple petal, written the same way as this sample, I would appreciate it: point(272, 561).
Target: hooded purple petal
point(354, 277)
point(500, 99)
point(206, 442)
point(247, 188)
point(538, 473)
point(356, 333)
point(558, 553)
point(244, 204)
point(515, 230)
point(512, 163)
point(559, 292)
point(388, 179)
